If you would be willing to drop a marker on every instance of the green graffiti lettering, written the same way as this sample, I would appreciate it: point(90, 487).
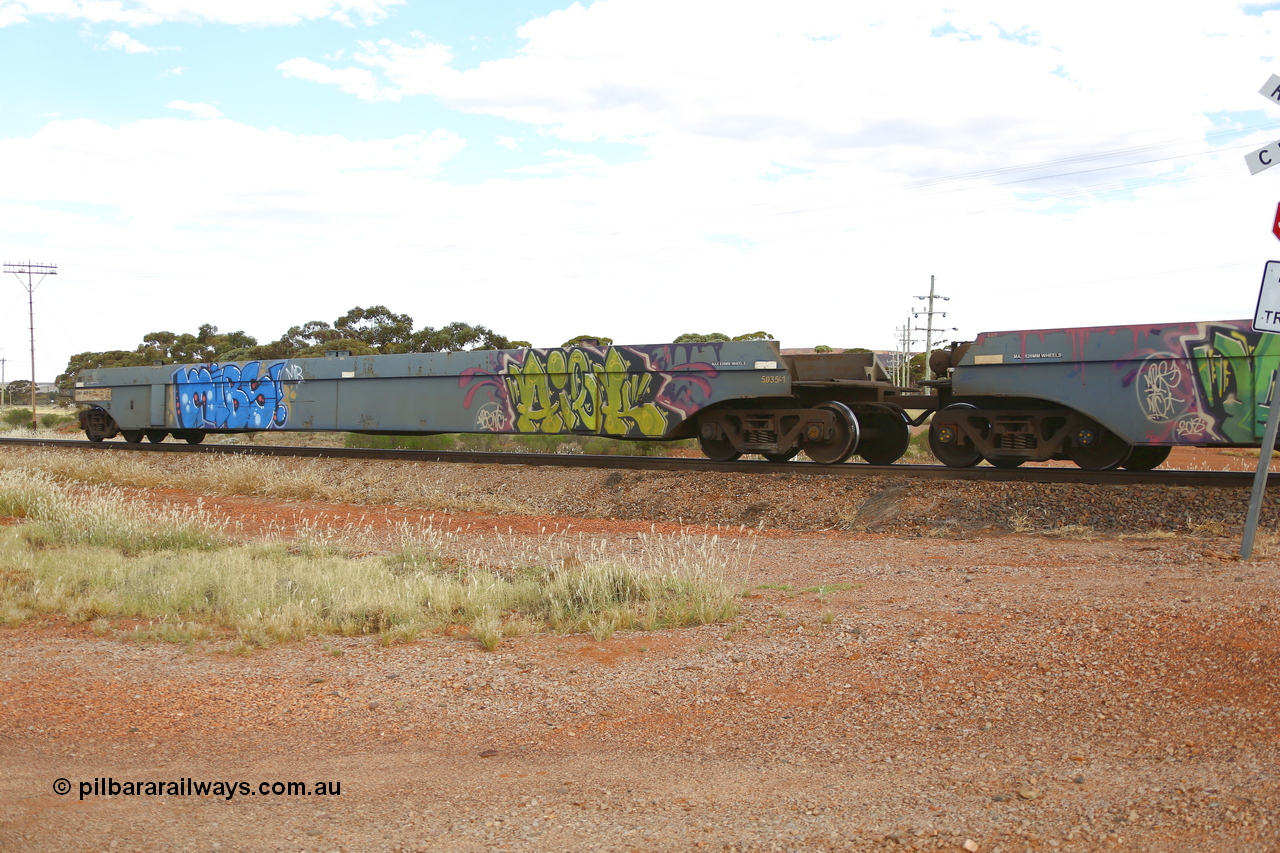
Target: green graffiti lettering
point(573, 390)
point(533, 398)
point(1216, 370)
point(1234, 373)
point(624, 399)
point(580, 399)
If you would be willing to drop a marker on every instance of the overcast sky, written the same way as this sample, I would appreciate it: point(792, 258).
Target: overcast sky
point(630, 168)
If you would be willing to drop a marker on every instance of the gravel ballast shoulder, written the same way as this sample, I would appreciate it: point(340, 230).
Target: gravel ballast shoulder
point(907, 673)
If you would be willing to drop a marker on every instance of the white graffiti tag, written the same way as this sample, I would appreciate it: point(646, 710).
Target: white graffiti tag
point(489, 417)
point(1191, 426)
point(1155, 391)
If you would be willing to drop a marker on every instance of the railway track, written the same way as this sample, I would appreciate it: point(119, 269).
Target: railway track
point(1027, 474)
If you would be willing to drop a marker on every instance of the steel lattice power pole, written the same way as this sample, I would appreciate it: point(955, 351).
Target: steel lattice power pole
point(928, 327)
point(31, 270)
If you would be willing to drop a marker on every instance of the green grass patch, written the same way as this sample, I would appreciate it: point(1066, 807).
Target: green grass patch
point(828, 588)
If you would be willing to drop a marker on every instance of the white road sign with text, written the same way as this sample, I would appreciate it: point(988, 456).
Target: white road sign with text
point(1267, 316)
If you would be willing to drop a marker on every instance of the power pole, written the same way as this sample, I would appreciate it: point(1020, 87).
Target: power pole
point(3, 387)
point(902, 371)
point(41, 270)
point(929, 328)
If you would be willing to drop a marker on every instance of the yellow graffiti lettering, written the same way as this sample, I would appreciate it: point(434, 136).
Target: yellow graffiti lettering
point(574, 390)
point(624, 395)
point(581, 396)
point(533, 398)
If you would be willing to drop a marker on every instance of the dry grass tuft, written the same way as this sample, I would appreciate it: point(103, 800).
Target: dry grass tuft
point(91, 555)
point(241, 474)
point(1209, 529)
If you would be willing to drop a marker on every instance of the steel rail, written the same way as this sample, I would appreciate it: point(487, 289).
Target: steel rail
point(1197, 479)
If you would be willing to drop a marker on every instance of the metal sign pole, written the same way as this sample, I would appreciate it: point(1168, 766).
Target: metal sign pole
point(1266, 319)
point(1264, 466)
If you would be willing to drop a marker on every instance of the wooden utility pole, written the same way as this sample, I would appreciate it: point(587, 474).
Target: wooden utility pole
point(31, 270)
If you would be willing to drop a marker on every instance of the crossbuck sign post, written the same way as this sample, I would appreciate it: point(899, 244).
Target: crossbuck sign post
point(1266, 319)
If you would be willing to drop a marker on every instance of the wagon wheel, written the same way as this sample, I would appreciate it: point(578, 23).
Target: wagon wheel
point(133, 436)
point(785, 456)
point(1146, 458)
point(718, 449)
point(843, 440)
point(193, 436)
point(155, 436)
point(1097, 448)
point(945, 435)
point(1005, 461)
point(885, 437)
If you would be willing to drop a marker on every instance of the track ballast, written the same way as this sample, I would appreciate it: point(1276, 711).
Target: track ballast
point(1026, 474)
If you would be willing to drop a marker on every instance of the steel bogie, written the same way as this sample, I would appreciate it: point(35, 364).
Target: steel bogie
point(1146, 458)
point(716, 446)
point(949, 438)
point(963, 434)
point(776, 434)
point(1096, 448)
point(832, 440)
point(828, 433)
point(885, 436)
point(97, 424)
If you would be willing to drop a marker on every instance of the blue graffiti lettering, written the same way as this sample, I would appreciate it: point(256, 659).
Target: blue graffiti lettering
point(230, 396)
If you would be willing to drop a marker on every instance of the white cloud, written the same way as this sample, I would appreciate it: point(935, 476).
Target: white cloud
point(197, 110)
point(825, 82)
point(235, 12)
point(354, 81)
point(125, 42)
point(562, 162)
point(802, 169)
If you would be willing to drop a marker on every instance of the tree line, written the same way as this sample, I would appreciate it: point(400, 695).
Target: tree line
point(360, 331)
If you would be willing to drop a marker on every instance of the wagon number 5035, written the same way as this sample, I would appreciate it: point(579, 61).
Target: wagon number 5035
point(771, 380)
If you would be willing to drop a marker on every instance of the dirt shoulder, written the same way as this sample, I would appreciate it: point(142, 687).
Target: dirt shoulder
point(982, 690)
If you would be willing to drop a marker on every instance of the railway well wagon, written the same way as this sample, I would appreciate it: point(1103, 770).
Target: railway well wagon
point(734, 397)
point(1105, 396)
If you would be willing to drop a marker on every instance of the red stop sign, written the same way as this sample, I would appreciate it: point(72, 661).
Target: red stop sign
point(1275, 226)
